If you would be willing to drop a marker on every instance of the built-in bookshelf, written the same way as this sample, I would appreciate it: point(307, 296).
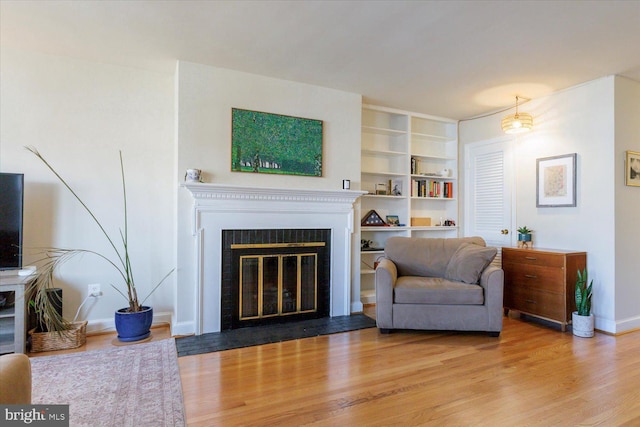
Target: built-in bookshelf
point(409, 169)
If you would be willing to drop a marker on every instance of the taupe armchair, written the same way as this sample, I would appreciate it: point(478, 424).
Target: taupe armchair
point(439, 284)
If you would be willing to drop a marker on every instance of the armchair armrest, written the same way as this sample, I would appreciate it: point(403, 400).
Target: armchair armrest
point(492, 281)
point(15, 379)
point(386, 276)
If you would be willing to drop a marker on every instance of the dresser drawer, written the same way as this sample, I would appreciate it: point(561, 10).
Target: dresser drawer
point(532, 258)
point(538, 303)
point(550, 279)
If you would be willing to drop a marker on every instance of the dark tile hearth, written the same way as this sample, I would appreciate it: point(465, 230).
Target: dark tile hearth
point(246, 337)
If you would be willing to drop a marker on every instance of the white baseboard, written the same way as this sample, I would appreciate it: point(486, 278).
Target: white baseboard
point(357, 307)
point(625, 325)
point(183, 328)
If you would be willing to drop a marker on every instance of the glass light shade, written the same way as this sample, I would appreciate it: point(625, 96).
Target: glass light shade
point(517, 123)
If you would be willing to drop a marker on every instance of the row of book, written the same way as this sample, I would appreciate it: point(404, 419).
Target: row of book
point(431, 188)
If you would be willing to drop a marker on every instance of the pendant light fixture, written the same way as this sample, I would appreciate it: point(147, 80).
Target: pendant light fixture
point(518, 122)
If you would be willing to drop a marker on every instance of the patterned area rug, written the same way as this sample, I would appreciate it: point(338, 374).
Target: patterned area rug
point(246, 337)
point(136, 385)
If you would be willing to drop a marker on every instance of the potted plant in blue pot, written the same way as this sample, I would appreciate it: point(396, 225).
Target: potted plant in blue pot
point(132, 322)
point(524, 237)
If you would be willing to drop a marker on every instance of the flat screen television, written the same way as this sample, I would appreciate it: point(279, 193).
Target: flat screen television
point(11, 206)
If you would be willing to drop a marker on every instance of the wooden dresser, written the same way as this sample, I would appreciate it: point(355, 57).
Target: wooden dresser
point(541, 282)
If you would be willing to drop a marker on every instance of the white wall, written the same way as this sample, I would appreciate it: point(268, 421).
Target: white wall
point(78, 114)
point(578, 120)
point(205, 96)
point(627, 130)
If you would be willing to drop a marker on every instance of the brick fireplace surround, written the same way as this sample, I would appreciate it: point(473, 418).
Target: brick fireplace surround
point(218, 207)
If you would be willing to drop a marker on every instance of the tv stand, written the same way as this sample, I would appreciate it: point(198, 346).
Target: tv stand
point(13, 314)
point(27, 271)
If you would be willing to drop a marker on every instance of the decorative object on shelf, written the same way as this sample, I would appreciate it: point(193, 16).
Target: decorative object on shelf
point(54, 258)
point(393, 220)
point(372, 218)
point(381, 189)
point(346, 184)
point(369, 245)
point(556, 181)
point(518, 122)
point(395, 187)
point(524, 237)
point(582, 319)
point(445, 173)
point(420, 222)
point(632, 169)
point(449, 223)
point(275, 143)
point(193, 175)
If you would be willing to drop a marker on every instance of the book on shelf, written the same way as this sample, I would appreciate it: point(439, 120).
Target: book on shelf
point(431, 188)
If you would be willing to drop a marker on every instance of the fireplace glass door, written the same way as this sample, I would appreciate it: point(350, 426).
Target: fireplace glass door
point(278, 285)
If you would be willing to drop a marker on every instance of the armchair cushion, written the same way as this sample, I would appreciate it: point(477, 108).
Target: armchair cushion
point(468, 262)
point(413, 257)
point(435, 290)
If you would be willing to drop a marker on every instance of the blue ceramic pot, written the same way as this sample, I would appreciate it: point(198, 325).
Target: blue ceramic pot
point(524, 237)
point(133, 326)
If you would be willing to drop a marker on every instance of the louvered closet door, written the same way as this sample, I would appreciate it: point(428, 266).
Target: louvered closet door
point(488, 193)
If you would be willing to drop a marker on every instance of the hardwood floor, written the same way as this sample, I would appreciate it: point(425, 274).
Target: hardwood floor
point(531, 375)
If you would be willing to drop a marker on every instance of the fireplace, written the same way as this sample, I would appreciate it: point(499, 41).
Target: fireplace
point(274, 276)
point(218, 208)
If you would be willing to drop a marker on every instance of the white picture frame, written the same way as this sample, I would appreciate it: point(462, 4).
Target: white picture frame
point(556, 181)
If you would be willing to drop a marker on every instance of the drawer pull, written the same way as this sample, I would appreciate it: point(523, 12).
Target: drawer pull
point(530, 301)
point(531, 258)
point(530, 276)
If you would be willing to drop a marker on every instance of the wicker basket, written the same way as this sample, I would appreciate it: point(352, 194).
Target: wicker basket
point(49, 341)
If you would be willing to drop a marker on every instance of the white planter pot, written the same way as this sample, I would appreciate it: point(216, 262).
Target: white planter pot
point(583, 326)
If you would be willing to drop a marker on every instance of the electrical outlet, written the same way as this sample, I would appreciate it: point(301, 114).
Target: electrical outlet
point(94, 290)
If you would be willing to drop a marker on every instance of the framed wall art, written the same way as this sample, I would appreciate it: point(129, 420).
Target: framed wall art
point(275, 143)
point(556, 181)
point(632, 169)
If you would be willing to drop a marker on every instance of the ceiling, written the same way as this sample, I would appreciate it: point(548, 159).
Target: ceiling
point(455, 59)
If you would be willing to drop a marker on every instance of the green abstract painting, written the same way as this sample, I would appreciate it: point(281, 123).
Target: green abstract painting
point(276, 144)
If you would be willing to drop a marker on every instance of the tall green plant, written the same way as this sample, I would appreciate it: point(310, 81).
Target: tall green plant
point(583, 294)
point(54, 257)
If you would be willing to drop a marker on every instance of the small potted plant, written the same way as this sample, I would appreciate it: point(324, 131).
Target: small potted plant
point(524, 237)
point(582, 319)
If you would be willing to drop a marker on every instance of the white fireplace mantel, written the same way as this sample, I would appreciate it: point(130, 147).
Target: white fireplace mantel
point(219, 207)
